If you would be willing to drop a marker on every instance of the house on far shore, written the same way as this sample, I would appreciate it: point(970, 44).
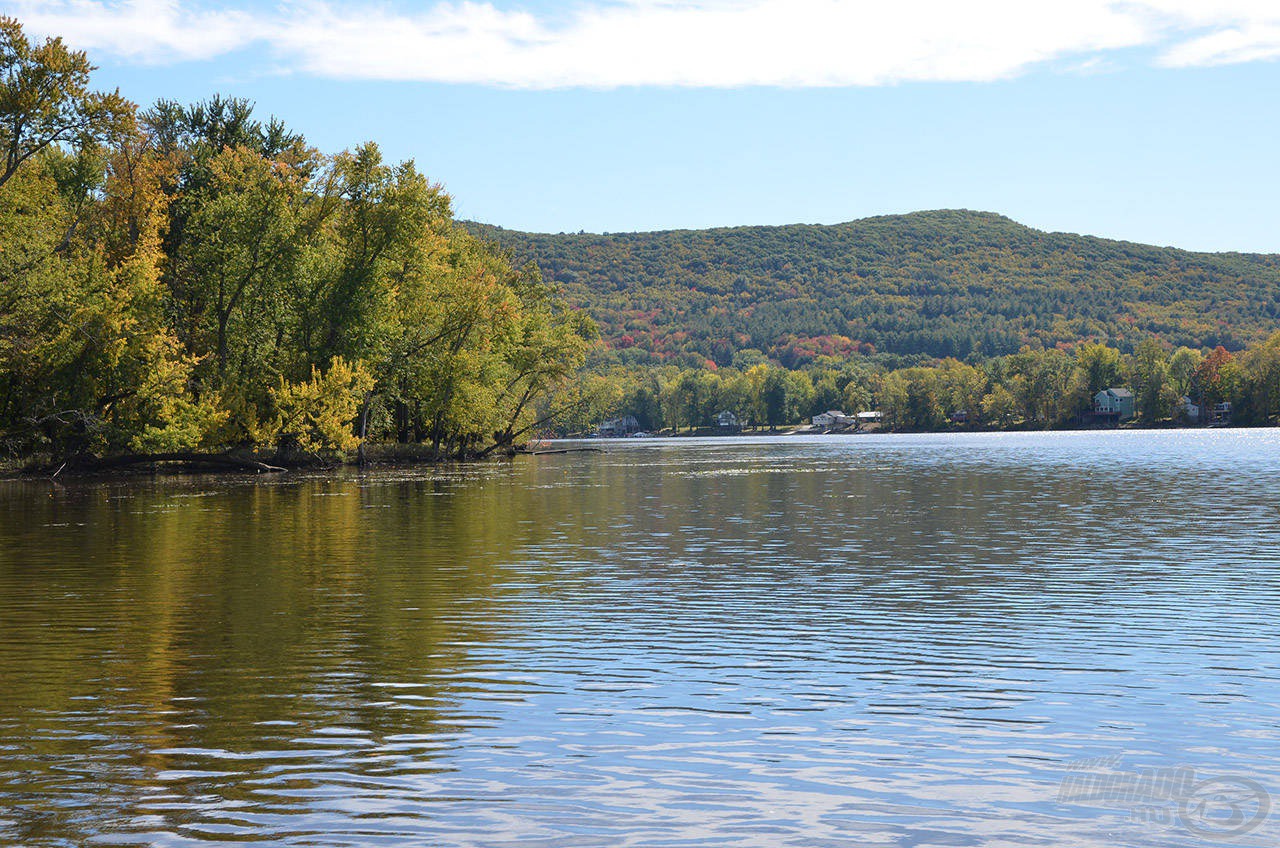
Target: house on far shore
point(833, 418)
point(1189, 409)
point(728, 421)
point(1221, 413)
point(870, 417)
point(1113, 404)
point(615, 427)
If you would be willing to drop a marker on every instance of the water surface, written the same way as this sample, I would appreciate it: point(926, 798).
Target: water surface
point(873, 640)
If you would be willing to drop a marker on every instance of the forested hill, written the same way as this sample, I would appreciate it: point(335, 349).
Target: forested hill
point(944, 283)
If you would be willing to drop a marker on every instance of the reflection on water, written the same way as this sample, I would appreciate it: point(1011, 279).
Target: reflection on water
point(869, 640)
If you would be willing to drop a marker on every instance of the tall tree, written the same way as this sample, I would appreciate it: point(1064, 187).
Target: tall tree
point(45, 100)
point(1149, 376)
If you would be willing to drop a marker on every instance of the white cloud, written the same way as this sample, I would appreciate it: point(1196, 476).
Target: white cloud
point(709, 43)
point(1227, 47)
point(1219, 32)
point(771, 42)
point(148, 31)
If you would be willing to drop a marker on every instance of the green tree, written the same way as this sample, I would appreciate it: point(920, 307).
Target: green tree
point(241, 245)
point(999, 406)
point(546, 347)
point(964, 387)
point(857, 397)
point(45, 100)
point(1261, 366)
point(826, 395)
point(1182, 369)
point(773, 397)
point(891, 395)
point(924, 406)
point(1149, 376)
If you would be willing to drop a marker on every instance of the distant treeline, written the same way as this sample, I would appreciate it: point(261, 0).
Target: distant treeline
point(190, 278)
point(933, 284)
point(1031, 389)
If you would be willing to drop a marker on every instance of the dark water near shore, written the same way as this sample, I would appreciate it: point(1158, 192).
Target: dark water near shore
point(900, 641)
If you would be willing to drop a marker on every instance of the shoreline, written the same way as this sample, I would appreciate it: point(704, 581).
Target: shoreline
point(806, 430)
point(400, 461)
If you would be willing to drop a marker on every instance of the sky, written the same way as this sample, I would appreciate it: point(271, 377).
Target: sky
point(1147, 120)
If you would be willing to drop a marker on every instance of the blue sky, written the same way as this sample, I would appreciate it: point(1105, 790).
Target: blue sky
point(1150, 120)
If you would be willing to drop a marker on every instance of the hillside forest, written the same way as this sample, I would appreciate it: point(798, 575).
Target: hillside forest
point(939, 320)
point(947, 283)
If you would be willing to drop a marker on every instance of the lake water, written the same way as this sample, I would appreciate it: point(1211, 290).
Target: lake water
point(999, 640)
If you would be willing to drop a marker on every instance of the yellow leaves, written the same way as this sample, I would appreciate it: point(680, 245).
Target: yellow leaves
point(181, 424)
point(156, 410)
point(999, 406)
point(244, 169)
point(318, 414)
point(243, 423)
point(133, 213)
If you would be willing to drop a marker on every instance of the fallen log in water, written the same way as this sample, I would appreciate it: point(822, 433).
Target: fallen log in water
point(563, 450)
point(219, 460)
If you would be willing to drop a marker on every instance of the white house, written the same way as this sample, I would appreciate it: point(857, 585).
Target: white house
point(833, 418)
point(871, 417)
point(615, 427)
point(1190, 409)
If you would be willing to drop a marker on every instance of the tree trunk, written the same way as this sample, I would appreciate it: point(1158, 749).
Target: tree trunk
point(361, 458)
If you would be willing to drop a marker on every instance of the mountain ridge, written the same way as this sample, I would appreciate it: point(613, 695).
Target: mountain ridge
point(481, 226)
point(932, 283)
